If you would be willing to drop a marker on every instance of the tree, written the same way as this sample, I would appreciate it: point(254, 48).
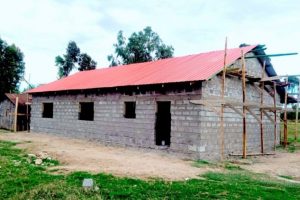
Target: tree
point(143, 46)
point(67, 62)
point(12, 68)
point(85, 62)
point(294, 83)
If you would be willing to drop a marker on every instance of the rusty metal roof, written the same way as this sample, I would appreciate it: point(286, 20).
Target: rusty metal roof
point(195, 67)
point(22, 98)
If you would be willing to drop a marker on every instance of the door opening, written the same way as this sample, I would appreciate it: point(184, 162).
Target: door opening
point(163, 123)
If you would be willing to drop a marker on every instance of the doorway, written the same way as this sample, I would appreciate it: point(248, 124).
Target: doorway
point(163, 123)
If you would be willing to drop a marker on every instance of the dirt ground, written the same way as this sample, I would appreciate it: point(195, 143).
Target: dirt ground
point(280, 164)
point(80, 155)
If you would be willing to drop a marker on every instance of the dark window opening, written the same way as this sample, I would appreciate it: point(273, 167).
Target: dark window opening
point(163, 124)
point(86, 111)
point(129, 110)
point(47, 110)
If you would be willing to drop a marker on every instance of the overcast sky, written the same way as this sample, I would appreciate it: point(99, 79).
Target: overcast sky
point(43, 28)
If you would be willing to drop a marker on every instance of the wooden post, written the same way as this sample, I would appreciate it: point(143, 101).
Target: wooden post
point(222, 105)
point(244, 107)
point(275, 115)
point(262, 87)
point(27, 112)
point(297, 111)
point(16, 114)
point(285, 135)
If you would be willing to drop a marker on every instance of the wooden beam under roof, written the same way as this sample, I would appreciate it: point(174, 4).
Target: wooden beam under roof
point(219, 102)
point(273, 78)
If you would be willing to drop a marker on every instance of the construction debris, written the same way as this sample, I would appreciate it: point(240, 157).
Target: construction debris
point(39, 158)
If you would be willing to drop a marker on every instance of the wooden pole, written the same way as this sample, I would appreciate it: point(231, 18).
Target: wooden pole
point(27, 112)
point(222, 106)
point(275, 115)
point(285, 117)
point(244, 107)
point(297, 111)
point(262, 86)
point(16, 114)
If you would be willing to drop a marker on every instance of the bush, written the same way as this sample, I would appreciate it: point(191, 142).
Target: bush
point(290, 115)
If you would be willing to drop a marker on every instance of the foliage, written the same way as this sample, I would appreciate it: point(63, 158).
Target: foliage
point(21, 180)
point(85, 62)
point(143, 46)
point(12, 68)
point(67, 62)
point(291, 115)
point(291, 134)
point(294, 82)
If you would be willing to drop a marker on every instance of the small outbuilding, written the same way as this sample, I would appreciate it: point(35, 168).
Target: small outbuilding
point(7, 111)
point(175, 104)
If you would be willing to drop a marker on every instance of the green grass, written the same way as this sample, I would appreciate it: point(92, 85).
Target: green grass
point(21, 180)
point(294, 145)
point(291, 131)
point(286, 177)
point(4, 131)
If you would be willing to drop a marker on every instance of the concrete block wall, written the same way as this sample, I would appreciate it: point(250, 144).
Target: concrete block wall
point(110, 126)
point(233, 128)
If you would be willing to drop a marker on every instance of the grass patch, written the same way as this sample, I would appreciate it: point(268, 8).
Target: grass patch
point(286, 177)
point(231, 166)
point(293, 144)
point(291, 131)
point(4, 131)
point(202, 163)
point(20, 179)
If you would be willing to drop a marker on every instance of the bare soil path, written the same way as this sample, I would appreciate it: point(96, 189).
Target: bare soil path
point(80, 155)
point(280, 164)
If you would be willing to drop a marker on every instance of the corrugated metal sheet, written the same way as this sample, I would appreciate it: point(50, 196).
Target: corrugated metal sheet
point(172, 70)
point(22, 98)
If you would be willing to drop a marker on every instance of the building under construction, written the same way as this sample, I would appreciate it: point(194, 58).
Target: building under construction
point(9, 112)
point(203, 106)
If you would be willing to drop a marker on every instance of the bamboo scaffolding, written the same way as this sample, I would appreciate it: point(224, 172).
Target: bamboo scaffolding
point(222, 106)
point(27, 112)
point(261, 110)
point(275, 115)
point(285, 118)
point(297, 111)
point(273, 78)
point(244, 107)
point(215, 101)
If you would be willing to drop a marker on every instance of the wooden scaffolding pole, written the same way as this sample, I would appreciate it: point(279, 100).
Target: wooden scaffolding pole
point(275, 114)
point(262, 86)
point(285, 117)
point(16, 114)
point(244, 107)
point(27, 112)
point(297, 111)
point(222, 106)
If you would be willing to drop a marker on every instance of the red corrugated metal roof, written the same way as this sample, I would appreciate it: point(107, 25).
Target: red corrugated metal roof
point(22, 98)
point(172, 70)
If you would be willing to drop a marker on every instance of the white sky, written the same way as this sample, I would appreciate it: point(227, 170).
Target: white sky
point(43, 28)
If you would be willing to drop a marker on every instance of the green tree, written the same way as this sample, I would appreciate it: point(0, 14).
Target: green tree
point(68, 61)
point(85, 62)
point(294, 83)
point(12, 68)
point(143, 46)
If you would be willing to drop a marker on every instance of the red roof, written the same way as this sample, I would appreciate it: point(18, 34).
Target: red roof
point(171, 70)
point(22, 98)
